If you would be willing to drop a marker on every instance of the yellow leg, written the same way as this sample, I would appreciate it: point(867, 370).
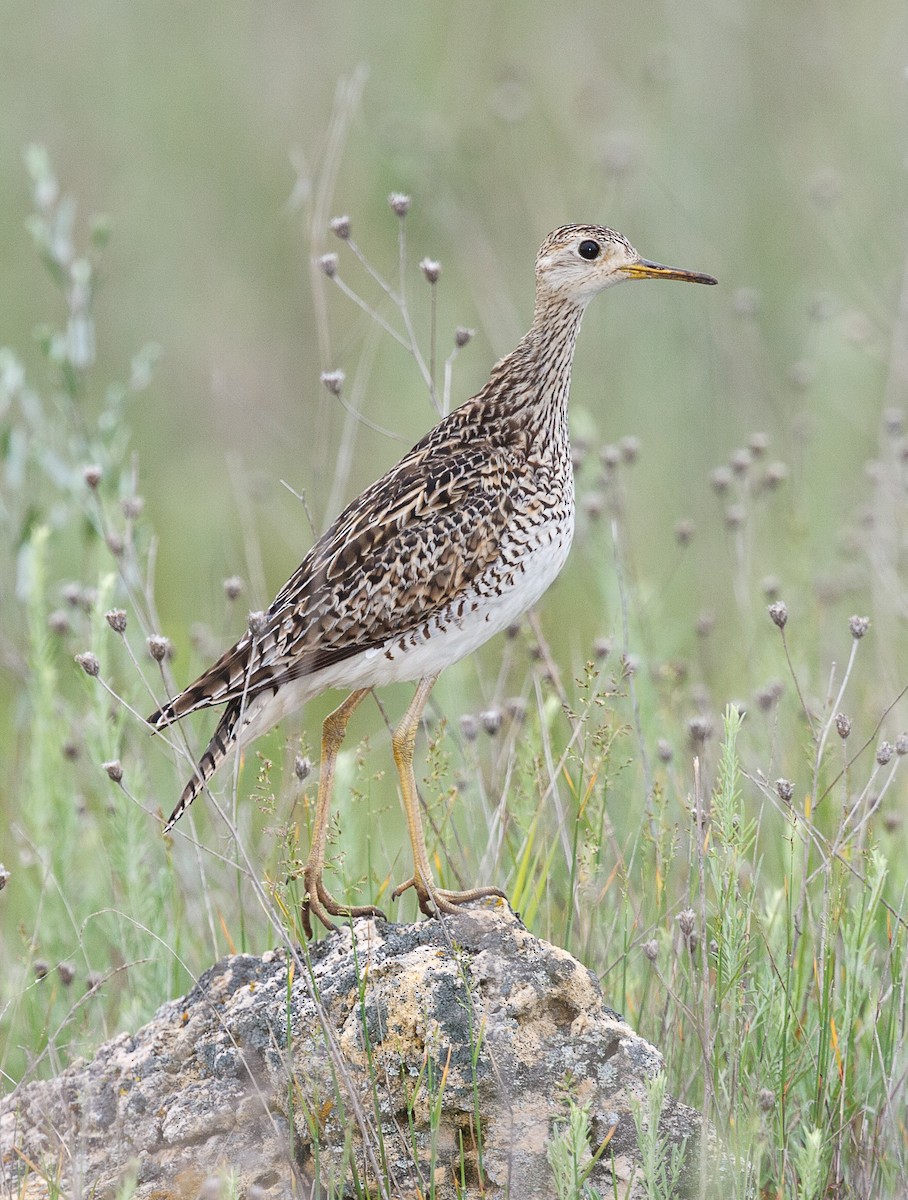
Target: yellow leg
point(318, 899)
point(432, 899)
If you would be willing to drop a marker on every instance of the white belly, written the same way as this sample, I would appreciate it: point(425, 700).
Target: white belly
point(447, 638)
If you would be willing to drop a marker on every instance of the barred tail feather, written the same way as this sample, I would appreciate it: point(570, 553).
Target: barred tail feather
point(223, 743)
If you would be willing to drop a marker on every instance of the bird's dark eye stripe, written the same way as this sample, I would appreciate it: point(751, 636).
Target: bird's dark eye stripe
point(589, 249)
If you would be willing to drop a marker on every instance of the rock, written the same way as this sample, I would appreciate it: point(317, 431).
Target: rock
point(411, 1054)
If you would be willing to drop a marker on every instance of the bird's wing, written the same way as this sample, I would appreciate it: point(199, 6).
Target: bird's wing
point(411, 544)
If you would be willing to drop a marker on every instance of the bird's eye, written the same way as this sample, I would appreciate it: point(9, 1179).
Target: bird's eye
point(589, 249)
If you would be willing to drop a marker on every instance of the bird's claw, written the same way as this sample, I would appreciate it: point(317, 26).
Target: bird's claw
point(433, 900)
point(320, 903)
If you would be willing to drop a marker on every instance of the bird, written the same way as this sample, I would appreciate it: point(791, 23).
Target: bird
point(449, 547)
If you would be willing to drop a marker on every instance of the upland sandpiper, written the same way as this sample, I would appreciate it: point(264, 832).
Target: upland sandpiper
point(449, 547)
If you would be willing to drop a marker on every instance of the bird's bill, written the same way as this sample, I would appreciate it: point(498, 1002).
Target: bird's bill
point(644, 269)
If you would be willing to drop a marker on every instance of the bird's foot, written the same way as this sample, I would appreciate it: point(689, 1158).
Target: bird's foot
point(321, 903)
point(433, 900)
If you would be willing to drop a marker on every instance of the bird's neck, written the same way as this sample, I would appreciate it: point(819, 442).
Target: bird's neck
point(532, 383)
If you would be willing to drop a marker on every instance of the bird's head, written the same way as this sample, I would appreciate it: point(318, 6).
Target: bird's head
point(578, 261)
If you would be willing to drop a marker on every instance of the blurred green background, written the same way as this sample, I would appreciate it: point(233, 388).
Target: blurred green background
point(764, 143)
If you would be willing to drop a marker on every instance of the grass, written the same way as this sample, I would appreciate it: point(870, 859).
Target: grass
point(733, 872)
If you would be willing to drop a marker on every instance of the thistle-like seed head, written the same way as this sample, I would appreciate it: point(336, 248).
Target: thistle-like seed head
point(858, 626)
point(159, 647)
point(333, 381)
point(340, 227)
point(116, 619)
point(400, 203)
point(114, 770)
point(684, 531)
point(89, 663)
point(778, 613)
point(785, 790)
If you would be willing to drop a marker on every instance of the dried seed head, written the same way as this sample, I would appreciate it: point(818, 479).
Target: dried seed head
point(858, 626)
point(40, 967)
point(431, 269)
point(302, 767)
point(720, 479)
point(593, 504)
point(400, 203)
point(340, 227)
point(114, 770)
point(92, 474)
point(131, 507)
point(785, 790)
point(89, 663)
point(469, 727)
point(491, 720)
point(233, 587)
point(72, 594)
point(765, 699)
point(58, 621)
point(5, 876)
point(894, 421)
point(328, 265)
point(462, 336)
point(602, 648)
point(116, 619)
point(257, 623)
point(651, 949)
point(115, 544)
point(735, 516)
point(706, 622)
point(71, 750)
point(609, 456)
point(842, 725)
point(159, 647)
point(66, 973)
point(770, 586)
point(699, 729)
point(766, 1099)
point(630, 449)
point(901, 744)
point(884, 753)
point(758, 444)
point(776, 474)
point(778, 613)
point(684, 531)
point(333, 381)
point(93, 980)
point(664, 751)
point(516, 709)
point(741, 461)
point(687, 923)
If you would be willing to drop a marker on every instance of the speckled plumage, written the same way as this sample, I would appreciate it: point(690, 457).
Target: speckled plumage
point(449, 547)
